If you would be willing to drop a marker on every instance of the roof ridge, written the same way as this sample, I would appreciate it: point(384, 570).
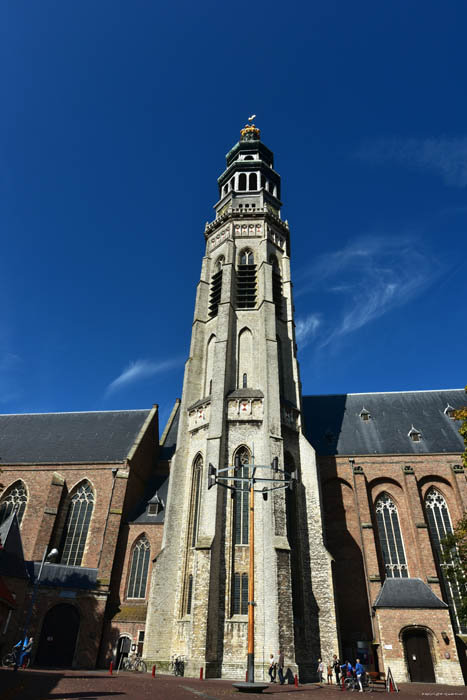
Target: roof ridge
point(69, 413)
point(374, 393)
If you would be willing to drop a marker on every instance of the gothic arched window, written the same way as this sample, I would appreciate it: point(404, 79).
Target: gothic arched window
point(77, 525)
point(195, 500)
point(439, 523)
point(209, 365)
point(139, 569)
point(14, 499)
point(242, 497)
point(390, 537)
point(246, 257)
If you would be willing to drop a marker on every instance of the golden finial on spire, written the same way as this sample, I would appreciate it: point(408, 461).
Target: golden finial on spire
point(250, 132)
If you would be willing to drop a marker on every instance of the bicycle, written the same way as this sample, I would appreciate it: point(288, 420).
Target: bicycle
point(177, 665)
point(9, 659)
point(352, 684)
point(134, 663)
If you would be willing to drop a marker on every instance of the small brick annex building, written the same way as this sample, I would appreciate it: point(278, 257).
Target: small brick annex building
point(149, 559)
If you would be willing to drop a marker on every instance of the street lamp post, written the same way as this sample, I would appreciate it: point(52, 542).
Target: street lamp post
point(46, 557)
point(281, 479)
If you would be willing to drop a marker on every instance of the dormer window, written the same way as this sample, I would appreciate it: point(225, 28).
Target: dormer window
point(155, 505)
point(364, 414)
point(449, 412)
point(414, 434)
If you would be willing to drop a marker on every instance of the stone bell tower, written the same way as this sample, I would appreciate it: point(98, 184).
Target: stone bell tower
point(242, 396)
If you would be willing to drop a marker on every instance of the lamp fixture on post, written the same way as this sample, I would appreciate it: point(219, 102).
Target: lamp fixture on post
point(227, 478)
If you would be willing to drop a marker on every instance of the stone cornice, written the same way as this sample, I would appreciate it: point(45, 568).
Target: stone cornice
point(258, 213)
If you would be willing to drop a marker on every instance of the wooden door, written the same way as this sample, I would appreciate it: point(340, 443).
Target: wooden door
point(58, 637)
point(420, 663)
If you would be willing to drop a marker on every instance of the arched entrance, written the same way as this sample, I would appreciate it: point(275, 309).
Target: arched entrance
point(58, 637)
point(418, 655)
point(123, 649)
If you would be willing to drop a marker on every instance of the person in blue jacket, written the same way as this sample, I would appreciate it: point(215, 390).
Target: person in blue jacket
point(359, 671)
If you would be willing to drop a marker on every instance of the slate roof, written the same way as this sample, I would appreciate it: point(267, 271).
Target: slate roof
point(333, 424)
point(59, 438)
point(159, 485)
point(62, 576)
point(407, 593)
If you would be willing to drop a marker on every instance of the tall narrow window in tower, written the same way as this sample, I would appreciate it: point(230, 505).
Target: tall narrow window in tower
point(139, 569)
point(195, 500)
point(242, 182)
point(390, 537)
point(240, 594)
point(216, 287)
point(246, 281)
point(77, 525)
point(292, 536)
point(253, 182)
point(276, 285)
point(14, 499)
point(189, 595)
point(242, 498)
point(209, 365)
point(439, 523)
point(245, 359)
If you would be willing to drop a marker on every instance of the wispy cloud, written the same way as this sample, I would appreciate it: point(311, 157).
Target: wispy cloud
point(443, 156)
point(372, 275)
point(306, 328)
point(140, 369)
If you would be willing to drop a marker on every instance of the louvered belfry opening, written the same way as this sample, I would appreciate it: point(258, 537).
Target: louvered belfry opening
point(277, 290)
point(246, 281)
point(215, 296)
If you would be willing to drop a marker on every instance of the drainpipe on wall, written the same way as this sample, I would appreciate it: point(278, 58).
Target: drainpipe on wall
point(362, 544)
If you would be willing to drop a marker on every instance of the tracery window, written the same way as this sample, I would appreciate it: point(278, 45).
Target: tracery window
point(242, 497)
point(390, 538)
point(439, 523)
point(139, 569)
point(276, 285)
point(15, 499)
point(77, 525)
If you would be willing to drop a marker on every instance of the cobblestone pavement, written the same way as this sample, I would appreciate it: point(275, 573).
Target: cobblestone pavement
point(99, 685)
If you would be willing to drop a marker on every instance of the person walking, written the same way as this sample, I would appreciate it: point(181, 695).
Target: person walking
point(17, 653)
point(329, 674)
point(320, 670)
point(272, 668)
point(280, 667)
point(359, 671)
point(336, 664)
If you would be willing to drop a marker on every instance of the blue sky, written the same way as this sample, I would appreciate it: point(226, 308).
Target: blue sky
point(115, 121)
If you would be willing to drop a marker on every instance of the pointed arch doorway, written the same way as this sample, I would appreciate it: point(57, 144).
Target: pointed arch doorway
point(418, 655)
point(58, 638)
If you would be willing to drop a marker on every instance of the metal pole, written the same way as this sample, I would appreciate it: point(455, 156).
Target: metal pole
point(251, 589)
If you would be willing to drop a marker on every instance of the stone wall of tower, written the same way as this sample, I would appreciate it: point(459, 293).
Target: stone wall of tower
point(253, 400)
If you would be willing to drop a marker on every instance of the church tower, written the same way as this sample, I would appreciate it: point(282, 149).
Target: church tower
point(242, 401)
